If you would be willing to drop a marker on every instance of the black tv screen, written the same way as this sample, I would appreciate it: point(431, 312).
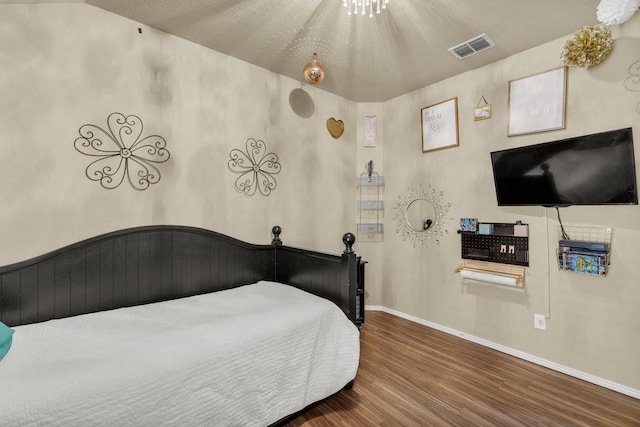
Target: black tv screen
point(596, 169)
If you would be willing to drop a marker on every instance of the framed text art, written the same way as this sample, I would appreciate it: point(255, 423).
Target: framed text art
point(537, 103)
point(440, 125)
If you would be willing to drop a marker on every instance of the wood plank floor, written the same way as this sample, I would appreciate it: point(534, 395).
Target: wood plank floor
point(412, 375)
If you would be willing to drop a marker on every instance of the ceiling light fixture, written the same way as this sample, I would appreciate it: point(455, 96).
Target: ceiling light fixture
point(313, 70)
point(611, 12)
point(355, 7)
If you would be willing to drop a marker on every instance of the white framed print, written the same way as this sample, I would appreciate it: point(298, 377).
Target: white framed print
point(537, 102)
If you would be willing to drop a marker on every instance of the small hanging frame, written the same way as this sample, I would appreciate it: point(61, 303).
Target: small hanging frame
point(482, 111)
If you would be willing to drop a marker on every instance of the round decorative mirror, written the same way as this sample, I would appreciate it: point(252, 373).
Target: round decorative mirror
point(421, 215)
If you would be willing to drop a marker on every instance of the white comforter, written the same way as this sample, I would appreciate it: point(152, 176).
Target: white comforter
point(242, 357)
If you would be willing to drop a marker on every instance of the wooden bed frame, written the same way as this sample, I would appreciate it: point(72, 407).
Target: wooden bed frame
point(157, 263)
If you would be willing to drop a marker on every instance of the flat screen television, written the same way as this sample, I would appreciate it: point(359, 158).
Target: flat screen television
point(596, 169)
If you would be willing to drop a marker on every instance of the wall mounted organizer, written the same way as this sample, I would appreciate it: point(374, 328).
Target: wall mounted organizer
point(122, 152)
point(504, 243)
point(370, 206)
point(584, 250)
point(495, 253)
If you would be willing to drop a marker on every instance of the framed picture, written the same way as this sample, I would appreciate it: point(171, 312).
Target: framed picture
point(537, 103)
point(482, 112)
point(440, 125)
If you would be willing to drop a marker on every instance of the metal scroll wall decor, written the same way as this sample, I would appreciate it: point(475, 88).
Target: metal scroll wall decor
point(122, 152)
point(421, 215)
point(632, 82)
point(256, 168)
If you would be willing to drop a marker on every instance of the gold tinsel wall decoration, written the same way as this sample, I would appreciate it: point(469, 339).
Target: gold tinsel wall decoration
point(587, 47)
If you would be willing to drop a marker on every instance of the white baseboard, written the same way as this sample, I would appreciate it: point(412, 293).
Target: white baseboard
point(513, 352)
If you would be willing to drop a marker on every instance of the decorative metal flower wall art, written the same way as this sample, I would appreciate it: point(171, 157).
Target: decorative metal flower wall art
point(256, 168)
point(632, 82)
point(122, 152)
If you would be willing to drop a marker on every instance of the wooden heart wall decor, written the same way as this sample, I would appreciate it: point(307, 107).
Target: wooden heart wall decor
point(335, 127)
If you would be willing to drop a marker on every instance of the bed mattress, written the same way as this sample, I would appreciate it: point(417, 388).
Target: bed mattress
point(242, 357)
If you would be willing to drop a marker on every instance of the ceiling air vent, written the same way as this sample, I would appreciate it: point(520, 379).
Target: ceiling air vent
point(471, 47)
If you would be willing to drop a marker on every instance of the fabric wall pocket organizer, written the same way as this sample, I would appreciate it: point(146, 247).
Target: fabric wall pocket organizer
point(335, 127)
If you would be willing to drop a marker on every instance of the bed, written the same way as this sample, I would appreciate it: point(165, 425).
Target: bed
point(170, 325)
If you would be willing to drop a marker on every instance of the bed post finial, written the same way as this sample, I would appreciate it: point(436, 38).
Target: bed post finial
point(348, 239)
point(276, 230)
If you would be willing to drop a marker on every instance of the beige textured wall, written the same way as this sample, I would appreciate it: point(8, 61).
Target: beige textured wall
point(67, 65)
point(593, 322)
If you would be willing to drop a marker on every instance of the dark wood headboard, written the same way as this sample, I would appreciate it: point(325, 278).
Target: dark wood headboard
point(156, 263)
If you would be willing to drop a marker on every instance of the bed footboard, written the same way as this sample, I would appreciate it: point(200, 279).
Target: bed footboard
point(337, 278)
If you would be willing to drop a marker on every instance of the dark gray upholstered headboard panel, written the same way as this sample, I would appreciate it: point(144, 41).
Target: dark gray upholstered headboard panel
point(157, 263)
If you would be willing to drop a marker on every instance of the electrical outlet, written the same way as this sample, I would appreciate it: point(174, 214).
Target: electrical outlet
point(540, 322)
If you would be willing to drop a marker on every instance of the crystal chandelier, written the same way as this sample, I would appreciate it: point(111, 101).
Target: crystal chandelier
point(362, 7)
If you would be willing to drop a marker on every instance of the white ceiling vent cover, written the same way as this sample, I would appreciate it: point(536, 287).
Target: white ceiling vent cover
point(471, 47)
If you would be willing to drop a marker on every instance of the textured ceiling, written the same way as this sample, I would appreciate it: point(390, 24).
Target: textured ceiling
point(366, 59)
